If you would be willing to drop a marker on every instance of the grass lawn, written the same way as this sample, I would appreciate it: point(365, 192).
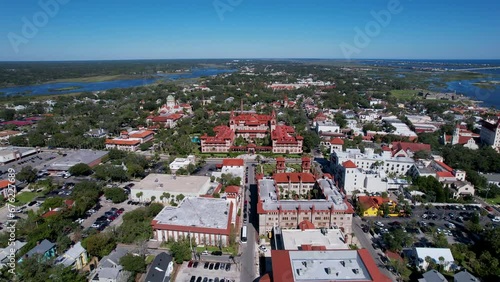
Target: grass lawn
point(493, 201)
point(149, 259)
point(228, 250)
point(268, 169)
point(25, 197)
point(406, 94)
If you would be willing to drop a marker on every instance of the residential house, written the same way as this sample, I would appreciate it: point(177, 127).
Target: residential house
point(9, 253)
point(432, 276)
point(464, 276)
point(372, 205)
point(45, 249)
point(109, 268)
point(160, 269)
point(76, 257)
point(7, 188)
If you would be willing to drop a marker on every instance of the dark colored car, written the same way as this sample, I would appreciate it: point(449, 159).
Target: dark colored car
point(199, 279)
point(217, 265)
point(32, 203)
point(193, 279)
point(217, 253)
point(206, 265)
point(195, 264)
point(190, 263)
point(228, 267)
point(211, 266)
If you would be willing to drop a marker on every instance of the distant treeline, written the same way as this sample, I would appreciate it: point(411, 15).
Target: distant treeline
point(28, 73)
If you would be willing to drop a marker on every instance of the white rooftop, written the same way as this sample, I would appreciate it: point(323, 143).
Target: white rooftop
point(328, 266)
point(332, 239)
point(197, 212)
point(434, 253)
point(171, 183)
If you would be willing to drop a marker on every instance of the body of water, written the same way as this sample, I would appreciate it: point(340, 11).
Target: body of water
point(48, 88)
point(490, 96)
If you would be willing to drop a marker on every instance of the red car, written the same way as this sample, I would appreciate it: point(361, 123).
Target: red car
point(488, 208)
point(120, 211)
point(190, 263)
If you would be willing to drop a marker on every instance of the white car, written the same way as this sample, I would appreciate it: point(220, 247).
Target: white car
point(80, 220)
point(379, 224)
point(263, 248)
point(496, 219)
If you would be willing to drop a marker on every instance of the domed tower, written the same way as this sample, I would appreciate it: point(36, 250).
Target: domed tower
point(170, 101)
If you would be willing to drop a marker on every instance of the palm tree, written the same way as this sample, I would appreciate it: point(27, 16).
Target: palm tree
point(441, 262)
point(139, 195)
point(153, 198)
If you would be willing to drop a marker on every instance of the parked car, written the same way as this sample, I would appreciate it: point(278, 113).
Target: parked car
point(190, 263)
point(228, 267)
point(206, 265)
point(217, 265)
point(216, 253)
point(195, 264)
point(488, 208)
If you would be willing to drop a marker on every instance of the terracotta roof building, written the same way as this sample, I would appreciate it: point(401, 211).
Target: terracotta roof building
point(207, 220)
point(325, 265)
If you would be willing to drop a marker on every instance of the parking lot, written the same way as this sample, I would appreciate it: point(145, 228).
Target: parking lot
point(106, 206)
point(38, 161)
point(448, 220)
point(205, 271)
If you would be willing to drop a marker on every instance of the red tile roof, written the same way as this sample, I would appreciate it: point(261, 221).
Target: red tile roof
point(233, 162)
point(337, 141)
point(141, 134)
point(233, 189)
point(222, 133)
point(17, 122)
point(283, 272)
point(446, 174)
point(445, 166)
point(282, 135)
point(280, 159)
point(408, 146)
point(5, 183)
point(293, 177)
point(127, 142)
point(306, 224)
point(349, 164)
point(50, 213)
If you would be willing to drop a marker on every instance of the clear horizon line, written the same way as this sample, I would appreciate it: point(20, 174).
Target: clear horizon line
point(242, 58)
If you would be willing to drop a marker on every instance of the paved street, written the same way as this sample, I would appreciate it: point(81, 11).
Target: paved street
point(248, 259)
point(365, 241)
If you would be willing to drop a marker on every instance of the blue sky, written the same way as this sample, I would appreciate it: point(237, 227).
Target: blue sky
point(112, 29)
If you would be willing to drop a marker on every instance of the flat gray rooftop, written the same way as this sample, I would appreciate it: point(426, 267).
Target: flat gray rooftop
point(328, 266)
point(75, 157)
point(197, 212)
point(176, 184)
point(333, 239)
